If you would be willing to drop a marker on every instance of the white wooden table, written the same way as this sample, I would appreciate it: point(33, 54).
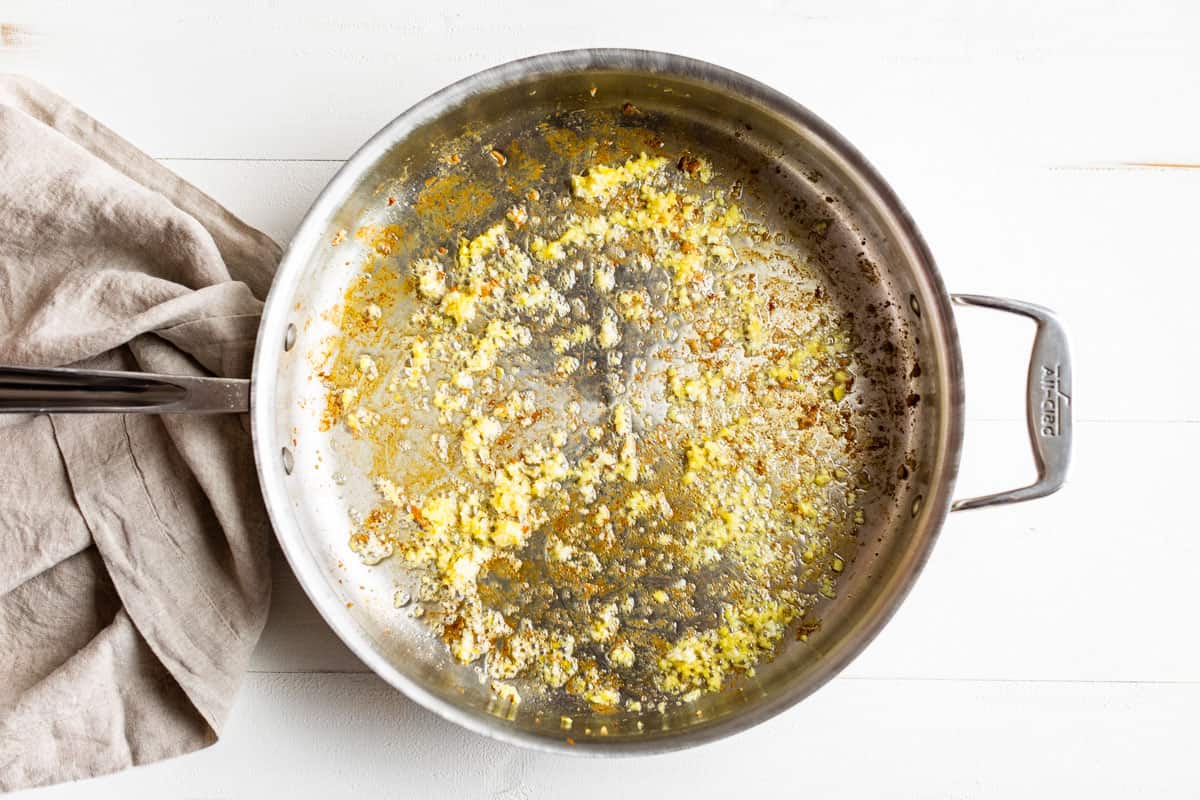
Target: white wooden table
point(1049, 150)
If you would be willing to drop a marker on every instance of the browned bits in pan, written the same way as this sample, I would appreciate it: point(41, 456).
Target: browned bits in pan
point(689, 164)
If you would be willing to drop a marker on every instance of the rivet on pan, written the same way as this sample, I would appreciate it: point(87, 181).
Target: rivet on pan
point(914, 305)
point(289, 461)
point(916, 504)
point(289, 337)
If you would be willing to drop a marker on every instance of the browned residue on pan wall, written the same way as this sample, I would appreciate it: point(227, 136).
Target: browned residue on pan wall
point(616, 144)
point(382, 240)
point(565, 142)
point(525, 168)
point(453, 201)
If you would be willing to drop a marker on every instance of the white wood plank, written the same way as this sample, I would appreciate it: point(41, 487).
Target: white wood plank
point(350, 736)
point(1102, 248)
point(1095, 583)
point(271, 195)
point(926, 84)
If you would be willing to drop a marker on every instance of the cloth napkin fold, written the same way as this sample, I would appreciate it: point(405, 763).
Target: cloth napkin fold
point(133, 549)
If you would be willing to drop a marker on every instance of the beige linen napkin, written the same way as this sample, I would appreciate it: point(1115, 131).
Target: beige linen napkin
point(133, 549)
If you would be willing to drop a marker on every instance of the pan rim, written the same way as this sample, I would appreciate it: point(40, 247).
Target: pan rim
point(310, 233)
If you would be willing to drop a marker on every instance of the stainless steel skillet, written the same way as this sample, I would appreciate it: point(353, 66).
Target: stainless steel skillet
point(799, 175)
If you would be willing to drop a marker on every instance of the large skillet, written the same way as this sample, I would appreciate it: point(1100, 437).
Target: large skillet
point(800, 175)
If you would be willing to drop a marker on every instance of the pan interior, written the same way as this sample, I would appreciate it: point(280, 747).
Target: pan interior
point(547, 125)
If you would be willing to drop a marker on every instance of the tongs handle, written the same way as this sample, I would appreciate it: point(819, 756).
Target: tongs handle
point(82, 391)
point(1047, 402)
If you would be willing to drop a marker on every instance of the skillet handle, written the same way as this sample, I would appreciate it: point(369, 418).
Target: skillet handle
point(1047, 402)
point(79, 391)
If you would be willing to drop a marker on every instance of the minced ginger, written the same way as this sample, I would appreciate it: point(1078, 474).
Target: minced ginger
point(614, 487)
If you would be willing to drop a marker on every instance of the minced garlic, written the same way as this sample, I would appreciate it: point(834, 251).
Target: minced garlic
point(459, 305)
point(431, 280)
point(610, 334)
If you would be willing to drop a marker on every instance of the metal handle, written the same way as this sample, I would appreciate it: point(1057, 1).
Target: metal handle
point(1047, 400)
point(80, 391)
